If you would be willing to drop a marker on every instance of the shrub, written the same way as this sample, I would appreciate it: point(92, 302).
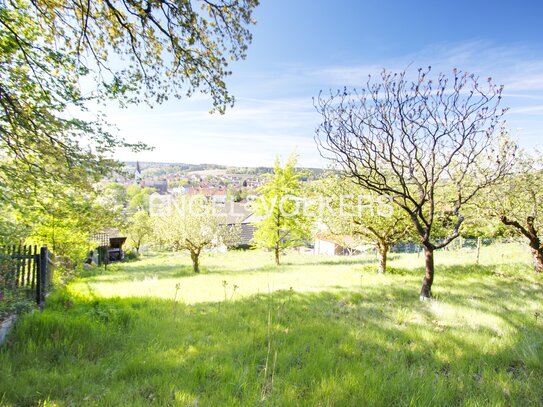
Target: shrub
point(7, 275)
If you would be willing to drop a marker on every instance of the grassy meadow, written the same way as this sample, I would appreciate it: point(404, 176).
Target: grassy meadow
point(316, 331)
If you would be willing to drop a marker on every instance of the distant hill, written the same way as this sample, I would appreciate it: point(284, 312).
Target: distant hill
point(154, 169)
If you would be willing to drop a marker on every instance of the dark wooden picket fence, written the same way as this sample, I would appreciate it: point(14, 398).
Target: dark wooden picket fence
point(31, 270)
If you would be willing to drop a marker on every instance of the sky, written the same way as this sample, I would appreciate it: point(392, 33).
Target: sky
point(303, 46)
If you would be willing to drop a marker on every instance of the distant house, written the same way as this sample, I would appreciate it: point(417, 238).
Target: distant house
point(326, 247)
point(216, 195)
point(338, 246)
point(160, 185)
point(239, 214)
point(219, 196)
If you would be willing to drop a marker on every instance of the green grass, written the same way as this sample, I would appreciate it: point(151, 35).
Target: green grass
point(342, 336)
point(254, 272)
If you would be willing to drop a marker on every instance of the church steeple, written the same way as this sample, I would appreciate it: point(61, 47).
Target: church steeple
point(137, 173)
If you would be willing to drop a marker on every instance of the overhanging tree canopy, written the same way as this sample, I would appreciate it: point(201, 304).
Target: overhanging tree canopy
point(129, 51)
point(152, 48)
point(56, 56)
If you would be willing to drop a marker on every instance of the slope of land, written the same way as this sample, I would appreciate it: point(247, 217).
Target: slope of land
point(341, 336)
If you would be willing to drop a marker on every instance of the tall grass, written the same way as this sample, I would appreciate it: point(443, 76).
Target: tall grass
point(367, 341)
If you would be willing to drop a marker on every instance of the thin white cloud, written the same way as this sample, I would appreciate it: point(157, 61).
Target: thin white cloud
point(274, 111)
point(515, 67)
point(538, 109)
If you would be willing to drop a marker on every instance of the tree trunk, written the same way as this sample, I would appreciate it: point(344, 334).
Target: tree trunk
point(276, 250)
point(531, 233)
point(383, 252)
point(426, 290)
point(538, 259)
point(195, 261)
point(478, 249)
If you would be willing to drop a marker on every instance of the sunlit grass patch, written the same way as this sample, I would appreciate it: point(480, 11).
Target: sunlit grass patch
point(343, 335)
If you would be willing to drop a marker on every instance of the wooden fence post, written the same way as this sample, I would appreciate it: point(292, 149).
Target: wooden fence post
point(41, 285)
point(17, 266)
point(29, 265)
point(35, 268)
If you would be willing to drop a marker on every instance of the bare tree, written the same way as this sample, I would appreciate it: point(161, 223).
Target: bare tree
point(417, 140)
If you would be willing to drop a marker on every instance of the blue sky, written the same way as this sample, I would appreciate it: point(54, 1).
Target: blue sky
point(301, 46)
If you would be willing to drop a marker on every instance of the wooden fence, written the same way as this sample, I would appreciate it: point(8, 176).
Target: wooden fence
point(31, 270)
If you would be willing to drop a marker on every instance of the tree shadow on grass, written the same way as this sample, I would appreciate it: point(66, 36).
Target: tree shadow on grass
point(515, 271)
point(142, 271)
point(163, 270)
point(378, 346)
point(332, 261)
point(120, 273)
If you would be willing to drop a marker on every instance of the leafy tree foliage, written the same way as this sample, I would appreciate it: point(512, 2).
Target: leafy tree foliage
point(40, 141)
point(115, 194)
point(12, 228)
point(193, 224)
point(65, 222)
point(482, 223)
point(236, 194)
point(138, 198)
point(518, 202)
point(279, 206)
point(140, 228)
point(411, 139)
point(165, 47)
point(47, 157)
